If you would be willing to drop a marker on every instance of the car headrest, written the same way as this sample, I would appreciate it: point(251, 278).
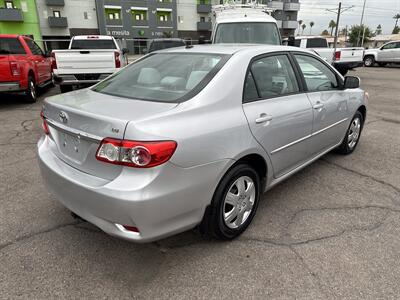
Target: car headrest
point(194, 78)
point(174, 83)
point(149, 76)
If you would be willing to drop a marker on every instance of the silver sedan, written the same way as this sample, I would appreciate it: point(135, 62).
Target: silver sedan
point(194, 136)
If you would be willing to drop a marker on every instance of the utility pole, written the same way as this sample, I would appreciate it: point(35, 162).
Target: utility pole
point(339, 11)
point(361, 23)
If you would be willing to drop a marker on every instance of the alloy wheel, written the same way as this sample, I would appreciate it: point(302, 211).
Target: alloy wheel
point(354, 132)
point(239, 202)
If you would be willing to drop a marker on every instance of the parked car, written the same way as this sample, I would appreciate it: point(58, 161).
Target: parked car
point(388, 53)
point(88, 60)
point(160, 44)
point(343, 59)
point(23, 66)
point(193, 136)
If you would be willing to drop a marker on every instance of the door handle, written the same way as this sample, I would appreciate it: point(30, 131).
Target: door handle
point(263, 119)
point(318, 105)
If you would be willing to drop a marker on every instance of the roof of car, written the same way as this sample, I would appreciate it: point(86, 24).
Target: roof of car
point(230, 49)
point(243, 15)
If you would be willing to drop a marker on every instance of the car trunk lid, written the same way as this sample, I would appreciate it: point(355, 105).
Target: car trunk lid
point(78, 122)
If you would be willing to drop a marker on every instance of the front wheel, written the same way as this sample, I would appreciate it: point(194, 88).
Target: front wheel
point(234, 203)
point(353, 134)
point(369, 61)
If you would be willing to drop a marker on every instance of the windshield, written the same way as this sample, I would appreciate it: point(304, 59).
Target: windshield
point(248, 33)
point(165, 77)
point(93, 44)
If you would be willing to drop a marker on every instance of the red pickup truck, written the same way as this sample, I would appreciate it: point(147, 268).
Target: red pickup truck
point(23, 66)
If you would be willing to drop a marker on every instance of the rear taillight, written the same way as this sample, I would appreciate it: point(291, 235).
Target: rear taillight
point(338, 54)
point(135, 154)
point(117, 60)
point(53, 61)
point(44, 124)
point(14, 66)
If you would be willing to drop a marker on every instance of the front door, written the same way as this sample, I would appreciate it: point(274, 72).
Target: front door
point(279, 115)
point(328, 100)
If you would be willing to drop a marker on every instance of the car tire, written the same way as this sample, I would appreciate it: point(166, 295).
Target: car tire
point(353, 135)
point(369, 61)
point(234, 204)
point(31, 92)
point(65, 88)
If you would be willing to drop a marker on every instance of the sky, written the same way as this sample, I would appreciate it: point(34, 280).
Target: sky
point(376, 12)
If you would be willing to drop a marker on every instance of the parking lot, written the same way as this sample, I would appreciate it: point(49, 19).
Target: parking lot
point(330, 231)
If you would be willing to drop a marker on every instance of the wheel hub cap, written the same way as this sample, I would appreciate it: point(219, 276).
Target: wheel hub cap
point(354, 132)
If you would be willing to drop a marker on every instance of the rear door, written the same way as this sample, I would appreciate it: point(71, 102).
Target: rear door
point(387, 53)
point(279, 114)
point(397, 53)
point(328, 100)
point(42, 64)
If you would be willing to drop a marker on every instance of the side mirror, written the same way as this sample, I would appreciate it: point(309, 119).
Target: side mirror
point(125, 50)
point(351, 82)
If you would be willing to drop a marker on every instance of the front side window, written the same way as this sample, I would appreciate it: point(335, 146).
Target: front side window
point(274, 76)
point(11, 46)
point(248, 33)
point(163, 77)
point(35, 49)
point(317, 75)
point(389, 46)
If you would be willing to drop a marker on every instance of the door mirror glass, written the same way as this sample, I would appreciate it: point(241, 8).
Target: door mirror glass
point(351, 82)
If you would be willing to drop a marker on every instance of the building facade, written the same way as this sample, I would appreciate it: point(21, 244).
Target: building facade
point(61, 19)
point(286, 13)
point(19, 17)
point(137, 21)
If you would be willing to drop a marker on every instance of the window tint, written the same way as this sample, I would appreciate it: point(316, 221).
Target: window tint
point(297, 42)
point(250, 90)
point(274, 76)
point(317, 75)
point(317, 43)
point(11, 46)
point(35, 49)
point(164, 77)
point(93, 44)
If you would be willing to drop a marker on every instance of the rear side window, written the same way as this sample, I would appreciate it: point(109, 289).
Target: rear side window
point(316, 43)
point(35, 49)
point(11, 46)
point(317, 75)
point(274, 76)
point(93, 44)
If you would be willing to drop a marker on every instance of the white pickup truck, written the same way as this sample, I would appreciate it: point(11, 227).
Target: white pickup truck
point(344, 59)
point(88, 60)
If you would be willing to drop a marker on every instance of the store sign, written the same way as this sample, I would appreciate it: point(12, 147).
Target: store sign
point(118, 32)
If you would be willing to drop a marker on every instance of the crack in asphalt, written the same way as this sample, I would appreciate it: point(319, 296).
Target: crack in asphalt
point(28, 236)
point(361, 174)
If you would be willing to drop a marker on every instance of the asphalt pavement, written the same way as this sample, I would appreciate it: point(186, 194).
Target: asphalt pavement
point(331, 231)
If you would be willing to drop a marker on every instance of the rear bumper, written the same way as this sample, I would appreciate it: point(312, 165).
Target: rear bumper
point(71, 79)
point(160, 201)
point(10, 87)
point(348, 65)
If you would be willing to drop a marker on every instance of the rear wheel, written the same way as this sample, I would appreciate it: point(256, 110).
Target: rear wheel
point(353, 134)
point(369, 61)
point(31, 92)
point(65, 88)
point(234, 203)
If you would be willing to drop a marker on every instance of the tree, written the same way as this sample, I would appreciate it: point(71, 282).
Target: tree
point(358, 31)
point(396, 17)
point(332, 25)
point(378, 30)
point(311, 26)
point(396, 30)
point(300, 22)
point(303, 27)
point(325, 32)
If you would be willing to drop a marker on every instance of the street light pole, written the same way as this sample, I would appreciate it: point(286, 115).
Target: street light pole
point(361, 23)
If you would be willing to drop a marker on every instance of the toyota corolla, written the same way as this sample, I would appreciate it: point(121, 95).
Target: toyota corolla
point(194, 136)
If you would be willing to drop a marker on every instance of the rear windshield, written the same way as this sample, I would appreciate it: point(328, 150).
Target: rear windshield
point(93, 44)
point(164, 77)
point(11, 46)
point(159, 45)
point(248, 33)
point(317, 43)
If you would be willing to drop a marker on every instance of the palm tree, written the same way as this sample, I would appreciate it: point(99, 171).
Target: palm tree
point(332, 25)
point(396, 17)
point(303, 27)
point(311, 26)
point(300, 22)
